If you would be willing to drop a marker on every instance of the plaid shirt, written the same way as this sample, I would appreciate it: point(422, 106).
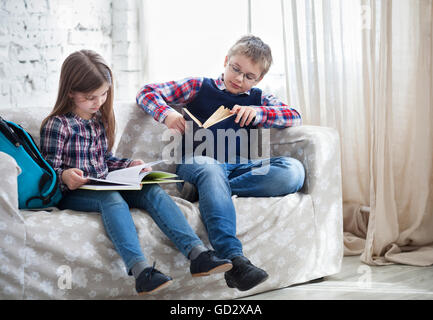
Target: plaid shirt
point(158, 100)
point(68, 141)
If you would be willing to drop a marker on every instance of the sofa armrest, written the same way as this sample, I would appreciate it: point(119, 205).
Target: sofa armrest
point(12, 230)
point(9, 171)
point(318, 148)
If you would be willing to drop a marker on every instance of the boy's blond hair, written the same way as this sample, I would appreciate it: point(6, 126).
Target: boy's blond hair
point(254, 48)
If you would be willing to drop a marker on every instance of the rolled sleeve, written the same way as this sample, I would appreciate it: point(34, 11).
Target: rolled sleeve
point(115, 163)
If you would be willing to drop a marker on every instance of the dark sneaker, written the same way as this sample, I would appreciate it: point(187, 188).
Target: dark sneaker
point(151, 280)
point(244, 275)
point(207, 263)
point(189, 192)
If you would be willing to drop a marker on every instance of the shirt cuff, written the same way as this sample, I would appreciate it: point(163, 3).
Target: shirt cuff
point(260, 117)
point(164, 114)
point(127, 163)
point(118, 163)
point(63, 187)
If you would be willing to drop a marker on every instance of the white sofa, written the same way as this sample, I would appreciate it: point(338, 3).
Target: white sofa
point(53, 254)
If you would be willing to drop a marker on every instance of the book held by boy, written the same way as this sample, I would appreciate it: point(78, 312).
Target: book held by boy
point(219, 115)
point(131, 178)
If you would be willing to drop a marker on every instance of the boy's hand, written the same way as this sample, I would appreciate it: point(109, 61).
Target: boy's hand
point(73, 178)
point(175, 121)
point(245, 114)
point(139, 162)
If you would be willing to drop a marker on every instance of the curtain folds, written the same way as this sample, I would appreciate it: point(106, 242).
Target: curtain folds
point(364, 67)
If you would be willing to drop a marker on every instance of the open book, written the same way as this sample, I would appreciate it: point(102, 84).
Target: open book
point(131, 178)
point(221, 114)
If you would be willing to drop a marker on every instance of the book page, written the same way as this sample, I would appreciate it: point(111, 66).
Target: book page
point(215, 116)
point(156, 175)
point(130, 175)
point(103, 185)
point(219, 120)
point(150, 177)
point(221, 114)
point(193, 118)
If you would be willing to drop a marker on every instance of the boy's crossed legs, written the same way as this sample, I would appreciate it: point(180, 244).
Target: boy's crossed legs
point(216, 182)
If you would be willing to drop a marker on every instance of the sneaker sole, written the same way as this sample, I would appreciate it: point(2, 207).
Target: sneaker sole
point(219, 269)
point(162, 286)
point(230, 284)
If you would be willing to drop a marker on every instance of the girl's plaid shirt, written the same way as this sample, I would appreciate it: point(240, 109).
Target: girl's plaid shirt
point(68, 141)
point(158, 100)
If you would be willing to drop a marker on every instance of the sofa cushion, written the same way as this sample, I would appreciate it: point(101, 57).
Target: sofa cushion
point(277, 235)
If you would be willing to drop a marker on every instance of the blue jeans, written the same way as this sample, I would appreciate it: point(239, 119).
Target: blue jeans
point(217, 182)
point(118, 222)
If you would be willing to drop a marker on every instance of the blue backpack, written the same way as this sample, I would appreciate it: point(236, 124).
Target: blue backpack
point(38, 184)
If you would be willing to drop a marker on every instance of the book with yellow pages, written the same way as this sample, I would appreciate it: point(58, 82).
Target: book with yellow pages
point(131, 178)
point(219, 115)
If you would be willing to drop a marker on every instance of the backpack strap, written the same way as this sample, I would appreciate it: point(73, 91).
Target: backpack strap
point(32, 149)
point(45, 199)
point(8, 132)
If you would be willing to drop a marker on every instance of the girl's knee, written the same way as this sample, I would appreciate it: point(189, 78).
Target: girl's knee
point(153, 191)
point(110, 197)
point(112, 201)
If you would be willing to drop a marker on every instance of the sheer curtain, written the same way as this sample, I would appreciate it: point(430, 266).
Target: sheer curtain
point(365, 68)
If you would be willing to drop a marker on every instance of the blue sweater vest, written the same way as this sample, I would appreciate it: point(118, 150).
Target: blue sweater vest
point(232, 143)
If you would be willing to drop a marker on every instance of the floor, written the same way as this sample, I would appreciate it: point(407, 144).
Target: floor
point(358, 281)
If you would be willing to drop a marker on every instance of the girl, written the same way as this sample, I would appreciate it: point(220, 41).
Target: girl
point(76, 138)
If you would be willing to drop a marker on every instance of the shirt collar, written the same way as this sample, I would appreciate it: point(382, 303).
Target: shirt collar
point(95, 118)
point(220, 85)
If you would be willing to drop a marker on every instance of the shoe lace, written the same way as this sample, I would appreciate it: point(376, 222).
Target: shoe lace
point(152, 271)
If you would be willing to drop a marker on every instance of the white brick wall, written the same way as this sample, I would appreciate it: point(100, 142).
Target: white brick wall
point(125, 41)
point(37, 35)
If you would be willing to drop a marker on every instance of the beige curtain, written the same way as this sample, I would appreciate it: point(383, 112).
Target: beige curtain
point(364, 67)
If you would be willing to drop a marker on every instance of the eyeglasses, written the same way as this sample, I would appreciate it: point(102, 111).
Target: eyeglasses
point(245, 76)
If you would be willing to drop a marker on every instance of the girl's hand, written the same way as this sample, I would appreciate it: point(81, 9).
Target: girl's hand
point(245, 114)
point(175, 121)
point(73, 178)
point(139, 162)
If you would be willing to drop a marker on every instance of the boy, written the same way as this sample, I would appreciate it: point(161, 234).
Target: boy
point(245, 66)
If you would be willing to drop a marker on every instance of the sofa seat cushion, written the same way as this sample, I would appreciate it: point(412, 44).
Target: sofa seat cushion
point(68, 255)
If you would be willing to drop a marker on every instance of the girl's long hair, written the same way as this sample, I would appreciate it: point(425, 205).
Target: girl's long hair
point(85, 71)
